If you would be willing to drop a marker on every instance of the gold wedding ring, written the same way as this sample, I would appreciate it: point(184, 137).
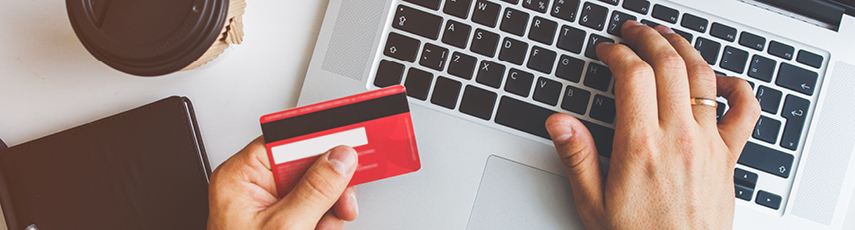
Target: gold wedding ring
point(704, 101)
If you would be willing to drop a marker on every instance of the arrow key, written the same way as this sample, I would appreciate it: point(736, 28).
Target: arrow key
point(768, 199)
point(743, 193)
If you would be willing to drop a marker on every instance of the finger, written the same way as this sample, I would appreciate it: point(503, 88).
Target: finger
point(577, 151)
point(330, 222)
point(345, 208)
point(736, 125)
point(702, 82)
point(253, 165)
point(635, 85)
point(672, 86)
point(321, 186)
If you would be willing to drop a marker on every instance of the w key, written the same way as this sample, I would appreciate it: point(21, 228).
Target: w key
point(417, 22)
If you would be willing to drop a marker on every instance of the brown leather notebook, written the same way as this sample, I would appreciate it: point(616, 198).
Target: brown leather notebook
point(141, 169)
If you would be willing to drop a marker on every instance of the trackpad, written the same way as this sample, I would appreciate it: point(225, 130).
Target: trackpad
point(517, 196)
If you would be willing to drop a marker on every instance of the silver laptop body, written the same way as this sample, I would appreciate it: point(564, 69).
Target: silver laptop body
point(484, 168)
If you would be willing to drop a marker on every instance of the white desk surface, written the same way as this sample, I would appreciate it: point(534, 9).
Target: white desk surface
point(49, 82)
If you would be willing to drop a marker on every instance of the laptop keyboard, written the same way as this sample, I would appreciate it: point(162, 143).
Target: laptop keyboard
point(511, 64)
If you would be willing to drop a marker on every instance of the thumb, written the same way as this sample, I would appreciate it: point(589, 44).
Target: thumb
point(577, 151)
point(320, 188)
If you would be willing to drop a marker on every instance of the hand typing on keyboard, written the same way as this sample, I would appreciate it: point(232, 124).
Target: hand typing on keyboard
point(243, 193)
point(672, 164)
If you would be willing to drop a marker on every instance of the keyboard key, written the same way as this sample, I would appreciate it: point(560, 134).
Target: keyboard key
point(603, 109)
point(768, 199)
point(519, 82)
point(694, 23)
point(795, 110)
point(719, 111)
point(484, 43)
point(490, 74)
point(433, 4)
point(593, 16)
point(523, 116)
point(724, 32)
point(486, 13)
point(743, 193)
point(766, 130)
point(649, 23)
point(752, 41)
point(595, 40)
point(445, 92)
point(530, 119)
point(512, 1)
point(458, 8)
point(745, 178)
point(570, 68)
point(462, 65)
point(456, 34)
point(576, 100)
point(769, 99)
point(417, 22)
point(689, 37)
point(734, 59)
point(708, 48)
point(547, 91)
point(565, 9)
point(389, 73)
point(536, 5)
point(514, 21)
point(541, 60)
point(762, 68)
point(401, 47)
point(796, 78)
point(808, 58)
point(599, 77)
point(418, 83)
point(613, 2)
point(542, 30)
point(513, 51)
point(433, 57)
point(781, 50)
point(744, 182)
point(571, 39)
point(766, 159)
point(618, 18)
point(665, 13)
point(639, 6)
point(478, 102)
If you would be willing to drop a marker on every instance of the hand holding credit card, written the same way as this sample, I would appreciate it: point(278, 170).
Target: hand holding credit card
point(376, 124)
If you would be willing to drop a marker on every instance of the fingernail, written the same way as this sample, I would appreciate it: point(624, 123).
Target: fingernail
point(561, 132)
point(355, 207)
point(664, 30)
point(341, 159)
point(632, 23)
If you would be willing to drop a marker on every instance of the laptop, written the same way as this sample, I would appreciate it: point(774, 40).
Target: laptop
point(483, 75)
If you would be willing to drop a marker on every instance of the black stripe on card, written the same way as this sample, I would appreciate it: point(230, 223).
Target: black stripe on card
point(335, 117)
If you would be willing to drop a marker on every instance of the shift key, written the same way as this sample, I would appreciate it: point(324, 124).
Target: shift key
point(766, 159)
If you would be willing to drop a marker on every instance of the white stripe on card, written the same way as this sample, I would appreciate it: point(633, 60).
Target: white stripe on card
point(318, 145)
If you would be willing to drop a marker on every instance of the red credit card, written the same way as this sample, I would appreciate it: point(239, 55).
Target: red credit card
point(376, 124)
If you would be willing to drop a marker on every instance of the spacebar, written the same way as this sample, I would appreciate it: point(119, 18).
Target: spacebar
point(532, 119)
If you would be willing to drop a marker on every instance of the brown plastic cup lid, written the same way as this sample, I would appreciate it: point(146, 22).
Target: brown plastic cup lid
point(147, 37)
